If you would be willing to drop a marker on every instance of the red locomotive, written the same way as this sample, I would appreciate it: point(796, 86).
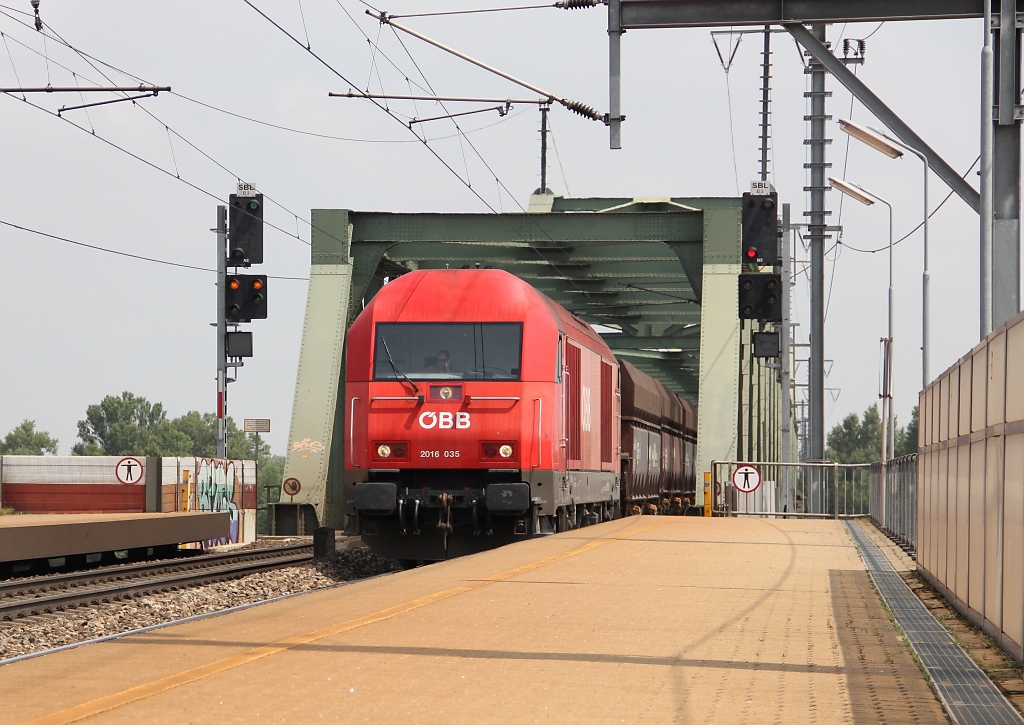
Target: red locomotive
point(479, 411)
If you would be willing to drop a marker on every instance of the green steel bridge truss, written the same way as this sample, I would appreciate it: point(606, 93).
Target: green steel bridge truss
point(659, 276)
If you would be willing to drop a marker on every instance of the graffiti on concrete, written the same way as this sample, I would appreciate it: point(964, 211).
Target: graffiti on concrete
point(218, 489)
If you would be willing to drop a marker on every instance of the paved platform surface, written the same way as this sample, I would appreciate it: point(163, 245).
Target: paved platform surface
point(647, 619)
point(38, 536)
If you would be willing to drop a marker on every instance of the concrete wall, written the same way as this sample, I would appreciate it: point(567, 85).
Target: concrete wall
point(89, 484)
point(970, 507)
point(68, 484)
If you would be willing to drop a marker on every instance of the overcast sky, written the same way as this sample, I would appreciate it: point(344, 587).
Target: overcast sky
point(77, 324)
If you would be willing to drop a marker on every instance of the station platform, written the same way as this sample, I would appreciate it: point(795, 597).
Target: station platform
point(25, 537)
point(644, 619)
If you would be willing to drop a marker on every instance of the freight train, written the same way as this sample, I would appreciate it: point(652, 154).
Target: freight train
point(480, 412)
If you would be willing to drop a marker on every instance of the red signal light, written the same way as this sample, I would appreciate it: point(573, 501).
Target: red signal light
point(751, 253)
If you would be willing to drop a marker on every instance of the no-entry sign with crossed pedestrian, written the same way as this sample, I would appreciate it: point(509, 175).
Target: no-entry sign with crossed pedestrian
point(746, 478)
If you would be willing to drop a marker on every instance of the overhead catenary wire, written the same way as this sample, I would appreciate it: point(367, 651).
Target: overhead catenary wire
point(574, 106)
point(333, 70)
point(424, 140)
point(561, 5)
point(151, 164)
point(331, 137)
point(461, 136)
point(93, 133)
point(84, 106)
point(920, 224)
point(11, 58)
point(501, 185)
point(196, 148)
point(218, 109)
point(558, 157)
point(305, 30)
point(381, 107)
point(727, 66)
point(16, 10)
point(119, 253)
point(168, 129)
point(837, 247)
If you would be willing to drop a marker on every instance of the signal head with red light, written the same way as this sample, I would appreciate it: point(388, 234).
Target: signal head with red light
point(760, 229)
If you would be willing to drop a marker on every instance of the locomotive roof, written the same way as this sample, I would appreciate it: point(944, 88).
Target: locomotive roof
point(472, 295)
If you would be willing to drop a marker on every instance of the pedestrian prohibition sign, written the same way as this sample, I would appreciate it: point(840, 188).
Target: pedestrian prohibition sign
point(128, 470)
point(746, 479)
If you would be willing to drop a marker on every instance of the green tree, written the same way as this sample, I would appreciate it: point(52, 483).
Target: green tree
point(906, 438)
point(201, 430)
point(243, 445)
point(25, 440)
point(128, 425)
point(271, 475)
point(856, 439)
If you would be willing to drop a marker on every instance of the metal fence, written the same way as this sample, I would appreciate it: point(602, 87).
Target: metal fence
point(819, 489)
point(894, 505)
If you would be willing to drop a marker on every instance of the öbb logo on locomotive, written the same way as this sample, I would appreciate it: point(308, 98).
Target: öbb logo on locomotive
point(480, 412)
point(445, 419)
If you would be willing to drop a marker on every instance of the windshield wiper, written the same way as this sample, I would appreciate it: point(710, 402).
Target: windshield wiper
point(398, 373)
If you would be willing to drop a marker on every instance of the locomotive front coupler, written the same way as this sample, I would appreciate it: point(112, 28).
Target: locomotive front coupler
point(444, 518)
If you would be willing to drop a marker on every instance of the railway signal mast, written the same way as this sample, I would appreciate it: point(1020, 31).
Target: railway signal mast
point(241, 298)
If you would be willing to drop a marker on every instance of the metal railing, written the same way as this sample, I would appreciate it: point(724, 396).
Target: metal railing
point(819, 489)
point(822, 489)
point(894, 504)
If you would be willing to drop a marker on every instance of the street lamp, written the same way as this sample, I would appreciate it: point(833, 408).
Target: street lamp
point(855, 191)
point(886, 144)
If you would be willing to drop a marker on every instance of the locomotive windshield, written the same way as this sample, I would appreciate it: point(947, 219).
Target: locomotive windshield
point(448, 350)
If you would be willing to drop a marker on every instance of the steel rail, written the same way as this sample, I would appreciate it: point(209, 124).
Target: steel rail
point(47, 595)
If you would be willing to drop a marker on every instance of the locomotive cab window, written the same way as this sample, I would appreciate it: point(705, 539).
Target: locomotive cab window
point(448, 351)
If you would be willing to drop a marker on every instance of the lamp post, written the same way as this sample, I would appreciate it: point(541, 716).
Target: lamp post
point(855, 191)
point(886, 144)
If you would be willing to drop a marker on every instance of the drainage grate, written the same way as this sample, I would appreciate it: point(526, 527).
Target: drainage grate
point(965, 690)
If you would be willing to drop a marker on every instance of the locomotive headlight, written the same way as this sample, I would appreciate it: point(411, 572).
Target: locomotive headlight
point(497, 449)
point(384, 450)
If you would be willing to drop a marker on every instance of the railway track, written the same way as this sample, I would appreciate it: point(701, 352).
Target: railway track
point(60, 592)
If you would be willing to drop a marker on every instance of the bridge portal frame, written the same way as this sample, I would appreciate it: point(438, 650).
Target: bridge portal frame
point(660, 273)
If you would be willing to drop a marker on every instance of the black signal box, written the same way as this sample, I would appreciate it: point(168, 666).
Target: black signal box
point(245, 297)
point(766, 344)
point(760, 297)
point(760, 220)
point(245, 230)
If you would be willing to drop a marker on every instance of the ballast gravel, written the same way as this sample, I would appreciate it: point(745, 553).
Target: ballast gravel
point(35, 634)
